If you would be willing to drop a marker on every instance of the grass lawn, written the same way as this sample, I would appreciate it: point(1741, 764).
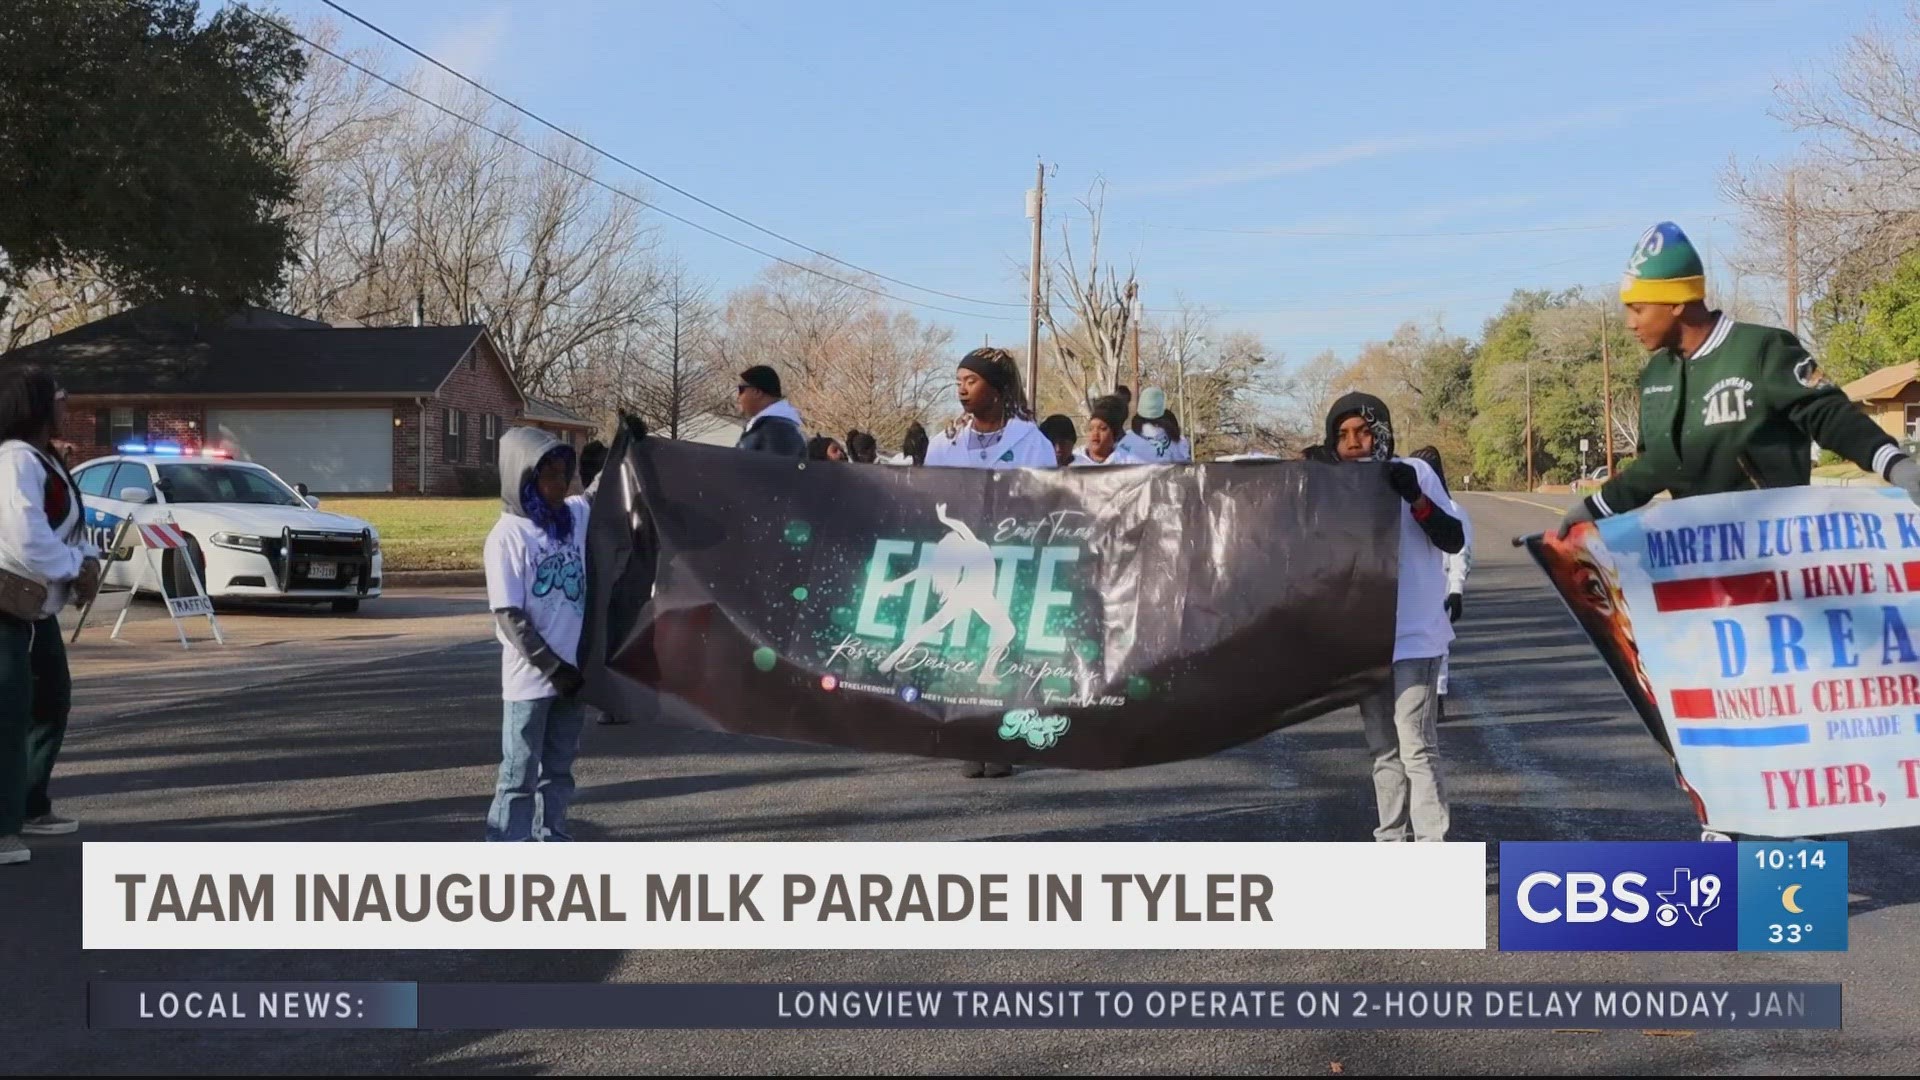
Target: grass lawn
point(425, 534)
point(1845, 470)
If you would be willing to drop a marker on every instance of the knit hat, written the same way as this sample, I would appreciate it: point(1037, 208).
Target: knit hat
point(762, 378)
point(1153, 403)
point(1665, 269)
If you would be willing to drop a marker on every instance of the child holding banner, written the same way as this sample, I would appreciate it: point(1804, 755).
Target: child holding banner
point(537, 589)
point(1401, 721)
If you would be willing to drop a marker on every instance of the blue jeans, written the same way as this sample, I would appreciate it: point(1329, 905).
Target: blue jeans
point(538, 742)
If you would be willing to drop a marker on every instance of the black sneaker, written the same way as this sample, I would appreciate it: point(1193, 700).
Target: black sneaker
point(996, 772)
point(973, 770)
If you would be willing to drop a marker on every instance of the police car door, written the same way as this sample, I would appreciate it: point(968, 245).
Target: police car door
point(106, 510)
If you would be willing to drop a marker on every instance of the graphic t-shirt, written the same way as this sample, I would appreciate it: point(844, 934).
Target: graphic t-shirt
point(545, 578)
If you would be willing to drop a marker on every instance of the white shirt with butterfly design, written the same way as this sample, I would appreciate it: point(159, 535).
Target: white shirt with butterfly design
point(547, 579)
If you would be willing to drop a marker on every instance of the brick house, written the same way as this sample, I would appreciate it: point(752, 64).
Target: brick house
point(565, 424)
point(406, 409)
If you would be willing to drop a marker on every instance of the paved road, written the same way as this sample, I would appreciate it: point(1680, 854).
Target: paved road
point(1541, 748)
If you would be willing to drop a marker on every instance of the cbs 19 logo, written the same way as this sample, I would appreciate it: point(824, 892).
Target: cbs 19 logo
point(1585, 897)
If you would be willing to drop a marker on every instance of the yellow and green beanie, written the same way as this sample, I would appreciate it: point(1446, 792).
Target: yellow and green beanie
point(1665, 269)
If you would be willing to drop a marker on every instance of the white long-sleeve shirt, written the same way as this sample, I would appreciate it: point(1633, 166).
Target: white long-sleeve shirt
point(1460, 564)
point(51, 554)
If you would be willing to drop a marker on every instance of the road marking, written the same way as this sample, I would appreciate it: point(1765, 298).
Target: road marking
point(1555, 510)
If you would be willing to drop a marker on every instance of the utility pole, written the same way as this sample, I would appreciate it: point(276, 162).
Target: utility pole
point(1036, 207)
point(1133, 319)
point(1606, 391)
point(1793, 259)
point(1529, 450)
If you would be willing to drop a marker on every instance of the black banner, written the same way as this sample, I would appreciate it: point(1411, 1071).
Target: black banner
point(1083, 618)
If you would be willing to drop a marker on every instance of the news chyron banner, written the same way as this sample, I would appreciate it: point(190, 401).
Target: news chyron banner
point(1081, 618)
point(1767, 640)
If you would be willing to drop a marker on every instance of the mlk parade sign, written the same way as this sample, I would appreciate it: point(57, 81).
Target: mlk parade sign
point(1767, 640)
point(1083, 618)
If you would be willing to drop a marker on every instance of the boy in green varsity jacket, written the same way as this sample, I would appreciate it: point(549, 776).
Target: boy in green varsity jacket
point(1724, 405)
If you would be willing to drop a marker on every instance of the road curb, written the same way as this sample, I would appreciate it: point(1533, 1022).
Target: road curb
point(461, 578)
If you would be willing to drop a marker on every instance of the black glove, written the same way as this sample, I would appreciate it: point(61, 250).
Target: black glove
point(1454, 601)
point(567, 680)
point(1582, 511)
point(1404, 481)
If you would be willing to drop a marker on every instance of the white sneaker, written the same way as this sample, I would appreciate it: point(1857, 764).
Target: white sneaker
point(1715, 835)
point(49, 825)
point(13, 850)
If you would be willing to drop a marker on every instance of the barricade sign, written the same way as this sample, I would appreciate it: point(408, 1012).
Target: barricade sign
point(155, 540)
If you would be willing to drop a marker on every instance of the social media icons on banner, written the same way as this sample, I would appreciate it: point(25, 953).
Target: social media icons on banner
point(1673, 897)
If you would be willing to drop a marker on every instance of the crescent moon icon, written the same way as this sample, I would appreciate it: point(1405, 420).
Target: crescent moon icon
point(1786, 899)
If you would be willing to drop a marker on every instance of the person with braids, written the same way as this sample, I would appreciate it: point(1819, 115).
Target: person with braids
point(997, 433)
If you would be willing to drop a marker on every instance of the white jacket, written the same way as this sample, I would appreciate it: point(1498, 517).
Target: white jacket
point(1021, 446)
point(1120, 456)
point(51, 554)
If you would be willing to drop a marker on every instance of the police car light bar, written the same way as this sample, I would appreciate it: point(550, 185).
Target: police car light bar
point(164, 448)
point(214, 451)
point(134, 448)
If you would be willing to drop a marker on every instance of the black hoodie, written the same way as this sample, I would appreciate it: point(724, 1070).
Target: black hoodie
point(1442, 528)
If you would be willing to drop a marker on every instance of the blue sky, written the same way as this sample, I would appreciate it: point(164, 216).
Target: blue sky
point(902, 135)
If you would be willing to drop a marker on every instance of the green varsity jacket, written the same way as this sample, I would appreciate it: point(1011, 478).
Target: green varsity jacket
point(1741, 413)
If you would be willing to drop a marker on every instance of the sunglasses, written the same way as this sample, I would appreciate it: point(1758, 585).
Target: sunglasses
point(741, 389)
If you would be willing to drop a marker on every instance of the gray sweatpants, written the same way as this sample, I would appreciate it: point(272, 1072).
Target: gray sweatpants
point(1404, 737)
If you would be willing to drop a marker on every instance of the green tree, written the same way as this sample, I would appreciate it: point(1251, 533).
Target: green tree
point(146, 145)
point(1878, 327)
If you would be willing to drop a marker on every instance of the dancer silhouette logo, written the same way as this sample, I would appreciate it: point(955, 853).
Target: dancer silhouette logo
point(963, 573)
point(924, 604)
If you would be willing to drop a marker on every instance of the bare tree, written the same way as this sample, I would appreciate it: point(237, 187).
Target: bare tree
point(1089, 331)
point(402, 204)
point(846, 357)
point(681, 374)
point(1853, 207)
point(43, 304)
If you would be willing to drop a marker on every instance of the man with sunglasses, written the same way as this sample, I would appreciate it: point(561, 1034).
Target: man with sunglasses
point(773, 425)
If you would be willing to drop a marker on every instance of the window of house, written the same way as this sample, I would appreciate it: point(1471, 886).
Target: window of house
point(117, 427)
point(1913, 421)
point(455, 445)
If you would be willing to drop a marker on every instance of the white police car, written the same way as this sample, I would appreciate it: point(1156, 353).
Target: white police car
point(250, 535)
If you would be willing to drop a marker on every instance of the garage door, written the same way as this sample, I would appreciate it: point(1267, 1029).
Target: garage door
point(329, 450)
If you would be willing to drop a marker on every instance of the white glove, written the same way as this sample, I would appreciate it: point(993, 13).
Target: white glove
point(1580, 512)
point(1905, 475)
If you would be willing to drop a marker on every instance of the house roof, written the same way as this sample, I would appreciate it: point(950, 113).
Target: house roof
point(1885, 383)
point(547, 412)
point(164, 349)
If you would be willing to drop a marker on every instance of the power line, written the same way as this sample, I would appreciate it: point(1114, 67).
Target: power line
point(610, 156)
point(1383, 235)
point(590, 178)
